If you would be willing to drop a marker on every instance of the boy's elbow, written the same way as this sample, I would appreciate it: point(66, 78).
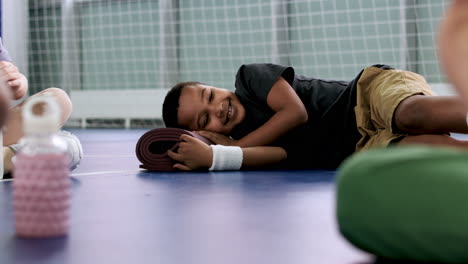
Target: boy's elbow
point(302, 116)
point(305, 116)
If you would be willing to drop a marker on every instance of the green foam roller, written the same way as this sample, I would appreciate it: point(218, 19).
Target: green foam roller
point(406, 203)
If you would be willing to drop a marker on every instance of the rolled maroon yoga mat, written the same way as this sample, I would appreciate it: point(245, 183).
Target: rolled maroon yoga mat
point(152, 147)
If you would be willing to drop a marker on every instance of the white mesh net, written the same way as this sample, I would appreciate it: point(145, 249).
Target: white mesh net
point(95, 45)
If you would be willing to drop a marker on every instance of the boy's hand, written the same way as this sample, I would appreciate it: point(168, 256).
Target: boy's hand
point(13, 79)
point(192, 154)
point(217, 138)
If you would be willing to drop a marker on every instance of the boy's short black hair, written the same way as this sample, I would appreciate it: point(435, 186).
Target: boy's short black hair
point(171, 104)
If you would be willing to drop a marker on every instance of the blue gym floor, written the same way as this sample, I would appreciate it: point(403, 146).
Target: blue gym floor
point(121, 214)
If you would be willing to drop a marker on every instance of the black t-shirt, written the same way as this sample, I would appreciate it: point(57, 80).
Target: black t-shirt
point(329, 136)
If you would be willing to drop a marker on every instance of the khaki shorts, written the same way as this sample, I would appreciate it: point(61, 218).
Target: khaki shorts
point(379, 92)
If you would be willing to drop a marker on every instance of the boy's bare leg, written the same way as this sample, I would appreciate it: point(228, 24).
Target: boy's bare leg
point(427, 118)
point(13, 128)
point(419, 115)
point(432, 115)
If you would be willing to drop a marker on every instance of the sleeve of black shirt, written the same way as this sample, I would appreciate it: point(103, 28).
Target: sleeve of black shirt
point(257, 79)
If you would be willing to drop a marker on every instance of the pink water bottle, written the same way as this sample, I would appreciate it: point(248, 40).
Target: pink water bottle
point(41, 185)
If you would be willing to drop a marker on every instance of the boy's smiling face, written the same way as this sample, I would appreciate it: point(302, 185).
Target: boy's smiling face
point(203, 107)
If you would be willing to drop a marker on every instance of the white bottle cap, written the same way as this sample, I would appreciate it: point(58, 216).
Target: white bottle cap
point(41, 114)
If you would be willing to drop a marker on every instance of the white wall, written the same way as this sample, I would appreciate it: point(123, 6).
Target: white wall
point(443, 89)
point(128, 105)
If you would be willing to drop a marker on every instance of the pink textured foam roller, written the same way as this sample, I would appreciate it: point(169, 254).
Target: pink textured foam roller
point(41, 195)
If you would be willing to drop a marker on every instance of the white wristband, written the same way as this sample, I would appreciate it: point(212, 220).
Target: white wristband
point(226, 158)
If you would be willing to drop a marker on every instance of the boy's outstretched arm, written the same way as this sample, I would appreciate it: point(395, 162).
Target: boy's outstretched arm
point(194, 154)
point(453, 46)
point(290, 113)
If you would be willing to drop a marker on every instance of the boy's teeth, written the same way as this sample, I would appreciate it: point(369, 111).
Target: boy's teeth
point(229, 111)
